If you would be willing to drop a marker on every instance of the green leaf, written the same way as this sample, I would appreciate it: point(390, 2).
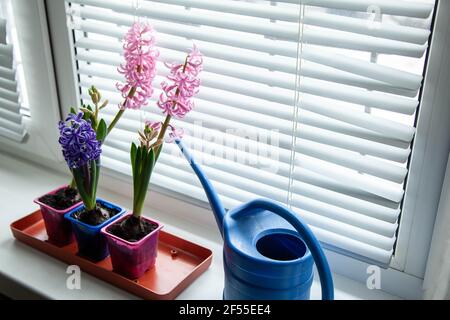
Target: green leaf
point(136, 174)
point(158, 151)
point(133, 151)
point(73, 184)
point(86, 115)
point(147, 169)
point(138, 161)
point(73, 110)
point(93, 121)
point(95, 172)
point(148, 162)
point(102, 128)
point(79, 179)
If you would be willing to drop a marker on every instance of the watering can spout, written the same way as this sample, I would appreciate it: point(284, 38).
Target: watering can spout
point(213, 198)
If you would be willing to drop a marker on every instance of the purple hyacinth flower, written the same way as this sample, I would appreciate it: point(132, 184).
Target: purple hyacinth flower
point(78, 141)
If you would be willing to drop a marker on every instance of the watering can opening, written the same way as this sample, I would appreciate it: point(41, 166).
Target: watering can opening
point(281, 246)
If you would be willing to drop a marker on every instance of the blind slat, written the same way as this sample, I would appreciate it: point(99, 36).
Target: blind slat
point(2, 31)
point(314, 220)
point(11, 126)
point(17, 136)
point(300, 174)
point(323, 70)
point(6, 61)
point(353, 246)
point(219, 121)
point(9, 95)
point(382, 129)
point(8, 104)
point(311, 86)
point(358, 180)
point(7, 74)
point(10, 85)
point(332, 38)
point(335, 155)
point(166, 167)
point(356, 211)
point(8, 114)
point(372, 70)
point(398, 7)
point(387, 31)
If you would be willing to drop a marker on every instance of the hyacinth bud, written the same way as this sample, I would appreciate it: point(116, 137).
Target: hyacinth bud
point(153, 125)
point(95, 94)
point(147, 130)
point(104, 104)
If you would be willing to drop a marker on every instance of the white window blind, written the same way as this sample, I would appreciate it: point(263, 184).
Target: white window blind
point(334, 85)
point(10, 101)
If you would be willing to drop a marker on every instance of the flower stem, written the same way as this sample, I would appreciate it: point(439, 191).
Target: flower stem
point(164, 127)
point(96, 112)
point(115, 120)
point(73, 184)
point(168, 117)
point(121, 111)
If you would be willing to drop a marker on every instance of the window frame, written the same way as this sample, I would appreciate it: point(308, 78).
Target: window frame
point(41, 141)
point(406, 271)
point(430, 146)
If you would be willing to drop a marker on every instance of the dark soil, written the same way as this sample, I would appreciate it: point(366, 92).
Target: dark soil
point(132, 229)
point(62, 199)
point(97, 216)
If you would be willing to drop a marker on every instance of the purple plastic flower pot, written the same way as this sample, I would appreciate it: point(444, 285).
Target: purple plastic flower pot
point(58, 229)
point(91, 243)
point(132, 259)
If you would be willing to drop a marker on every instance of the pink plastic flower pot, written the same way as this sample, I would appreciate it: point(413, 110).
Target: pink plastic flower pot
point(59, 230)
point(132, 259)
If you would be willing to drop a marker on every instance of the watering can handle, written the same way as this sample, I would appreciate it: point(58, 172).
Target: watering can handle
point(312, 243)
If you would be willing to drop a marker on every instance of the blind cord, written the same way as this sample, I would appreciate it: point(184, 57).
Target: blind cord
point(298, 67)
point(135, 5)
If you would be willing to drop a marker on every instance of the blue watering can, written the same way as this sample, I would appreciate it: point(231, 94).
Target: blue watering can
point(268, 251)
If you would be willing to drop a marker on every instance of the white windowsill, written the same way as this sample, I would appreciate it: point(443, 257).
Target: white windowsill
point(28, 273)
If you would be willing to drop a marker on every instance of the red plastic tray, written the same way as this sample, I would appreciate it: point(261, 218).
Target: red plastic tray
point(178, 264)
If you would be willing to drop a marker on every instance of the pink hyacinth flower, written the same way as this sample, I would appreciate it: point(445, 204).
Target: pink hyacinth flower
point(183, 83)
point(154, 125)
point(140, 65)
point(174, 133)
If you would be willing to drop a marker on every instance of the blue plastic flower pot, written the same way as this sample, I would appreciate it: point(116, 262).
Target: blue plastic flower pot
point(91, 242)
